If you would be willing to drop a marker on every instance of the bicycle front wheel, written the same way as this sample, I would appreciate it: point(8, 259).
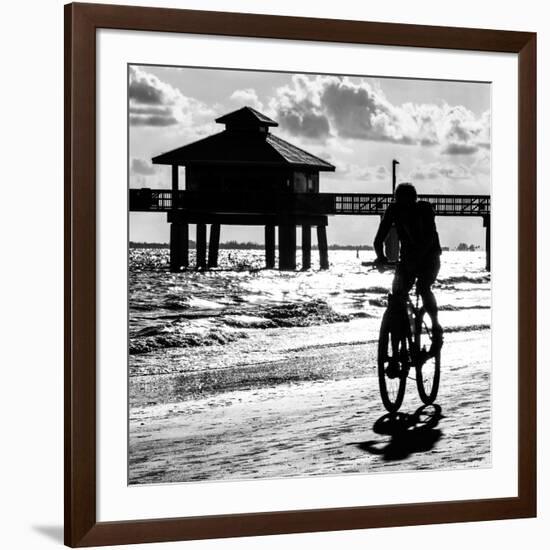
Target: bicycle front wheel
point(392, 363)
point(427, 372)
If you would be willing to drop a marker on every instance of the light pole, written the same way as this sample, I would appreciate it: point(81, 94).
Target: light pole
point(394, 164)
point(392, 240)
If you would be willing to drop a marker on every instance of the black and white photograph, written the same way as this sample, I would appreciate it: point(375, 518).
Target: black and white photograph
point(309, 274)
point(275, 275)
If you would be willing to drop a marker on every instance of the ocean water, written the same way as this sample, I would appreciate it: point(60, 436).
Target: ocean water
point(239, 327)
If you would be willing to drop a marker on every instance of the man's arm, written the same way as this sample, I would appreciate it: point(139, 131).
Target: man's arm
point(428, 244)
point(382, 233)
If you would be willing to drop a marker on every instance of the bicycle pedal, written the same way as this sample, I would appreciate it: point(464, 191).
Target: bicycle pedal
point(393, 371)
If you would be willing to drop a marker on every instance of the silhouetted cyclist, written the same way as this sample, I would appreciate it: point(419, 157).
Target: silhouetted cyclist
point(420, 251)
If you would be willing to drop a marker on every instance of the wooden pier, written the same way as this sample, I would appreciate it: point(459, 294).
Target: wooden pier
point(351, 204)
point(245, 175)
point(271, 210)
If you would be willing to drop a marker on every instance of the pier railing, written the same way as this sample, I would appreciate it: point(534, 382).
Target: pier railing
point(444, 205)
point(162, 200)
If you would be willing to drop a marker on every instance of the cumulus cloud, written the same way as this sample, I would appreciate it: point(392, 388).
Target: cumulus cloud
point(321, 107)
point(308, 125)
point(145, 88)
point(463, 133)
point(154, 103)
point(298, 108)
point(425, 121)
point(358, 111)
point(142, 167)
point(247, 97)
point(153, 120)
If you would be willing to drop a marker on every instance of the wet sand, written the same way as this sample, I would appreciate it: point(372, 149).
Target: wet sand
point(327, 419)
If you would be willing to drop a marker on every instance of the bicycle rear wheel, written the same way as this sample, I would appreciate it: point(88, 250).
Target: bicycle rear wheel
point(392, 365)
point(428, 372)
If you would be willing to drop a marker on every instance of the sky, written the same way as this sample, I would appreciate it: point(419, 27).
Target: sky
point(439, 131)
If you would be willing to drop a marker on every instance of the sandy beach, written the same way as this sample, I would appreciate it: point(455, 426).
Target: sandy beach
point(319, 414)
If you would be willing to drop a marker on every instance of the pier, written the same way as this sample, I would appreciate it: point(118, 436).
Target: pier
point(189, 207)
point(245, 175)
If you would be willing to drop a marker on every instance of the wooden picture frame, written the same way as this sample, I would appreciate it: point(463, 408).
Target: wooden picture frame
point(81, 23)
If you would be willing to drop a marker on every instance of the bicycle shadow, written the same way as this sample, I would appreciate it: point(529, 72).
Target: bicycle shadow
point(409, 433)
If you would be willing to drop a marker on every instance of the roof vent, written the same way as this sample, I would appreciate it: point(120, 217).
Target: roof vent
point(246, 119)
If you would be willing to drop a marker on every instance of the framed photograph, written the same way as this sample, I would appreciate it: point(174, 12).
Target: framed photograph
point(300, 274)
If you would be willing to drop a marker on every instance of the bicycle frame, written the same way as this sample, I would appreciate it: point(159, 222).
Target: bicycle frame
point(412, 311)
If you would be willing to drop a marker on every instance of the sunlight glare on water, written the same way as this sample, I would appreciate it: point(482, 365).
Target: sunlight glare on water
point(243, 313)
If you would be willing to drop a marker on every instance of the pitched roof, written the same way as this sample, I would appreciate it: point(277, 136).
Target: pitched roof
point(244, 148)
point(246, 116)
point(295, 155)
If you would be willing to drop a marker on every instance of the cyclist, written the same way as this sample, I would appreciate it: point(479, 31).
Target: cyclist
point(419, 256)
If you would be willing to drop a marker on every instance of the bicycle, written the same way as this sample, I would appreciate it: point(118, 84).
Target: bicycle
point(405, 332)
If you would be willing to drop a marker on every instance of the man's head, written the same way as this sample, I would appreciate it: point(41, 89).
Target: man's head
point(405, 194)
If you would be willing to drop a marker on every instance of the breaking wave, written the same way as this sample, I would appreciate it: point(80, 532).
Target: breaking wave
point(460, 279)
point(201, 310)
point(189, 340)
point(176, 334)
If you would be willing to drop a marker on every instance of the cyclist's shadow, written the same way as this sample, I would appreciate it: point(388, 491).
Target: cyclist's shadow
point(409, 433)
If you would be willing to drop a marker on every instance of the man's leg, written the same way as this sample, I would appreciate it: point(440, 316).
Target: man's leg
point(424, 286)
point(402, 283)
point(430, 304)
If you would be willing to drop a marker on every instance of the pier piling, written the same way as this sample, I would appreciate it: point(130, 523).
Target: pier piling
point(287, 246)
point(306, 246)
point(214, 245)
point(201, 246)
point(179, 246)
point(487, 225)
point(269, 246)
point(323, 246)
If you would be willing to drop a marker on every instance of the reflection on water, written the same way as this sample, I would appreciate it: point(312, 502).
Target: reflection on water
point(198, 324)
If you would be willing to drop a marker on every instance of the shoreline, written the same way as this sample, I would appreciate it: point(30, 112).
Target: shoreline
point(319, 421)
